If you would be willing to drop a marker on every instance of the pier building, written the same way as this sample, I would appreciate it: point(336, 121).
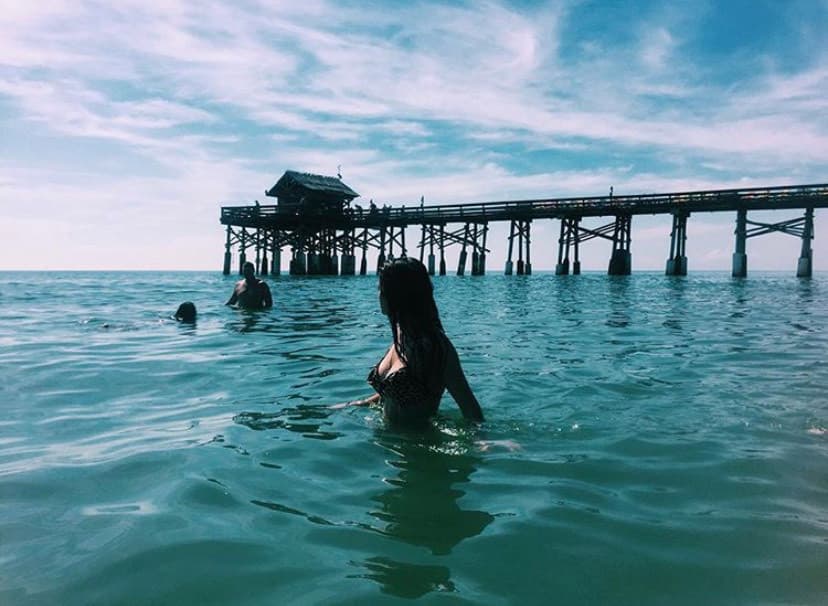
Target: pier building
point(315, 219)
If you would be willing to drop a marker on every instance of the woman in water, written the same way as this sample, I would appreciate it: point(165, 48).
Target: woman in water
point(421, 362)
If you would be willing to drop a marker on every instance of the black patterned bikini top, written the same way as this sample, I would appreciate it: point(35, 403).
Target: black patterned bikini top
point(404, 397)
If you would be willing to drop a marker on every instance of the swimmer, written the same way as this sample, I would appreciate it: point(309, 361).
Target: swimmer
point(186, 312)
point(251, 293)
point(421, 362)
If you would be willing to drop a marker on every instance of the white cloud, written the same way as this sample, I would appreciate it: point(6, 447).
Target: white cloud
point(443, 100)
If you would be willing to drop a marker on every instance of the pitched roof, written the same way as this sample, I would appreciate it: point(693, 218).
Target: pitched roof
point(317, 183)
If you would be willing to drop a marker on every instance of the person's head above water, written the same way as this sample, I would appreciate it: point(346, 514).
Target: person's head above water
point(186, 312)
point(407, 296)
point(249, 270)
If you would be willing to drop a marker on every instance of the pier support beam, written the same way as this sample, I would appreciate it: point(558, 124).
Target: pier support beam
point(242, 249)
point(381, 256)
point(298, 264)
point(442, 250)
point(801, 227)
point(478, 239)
point(508, 269)
point(314, 264)
point(677, 262)
point(363, 264)
point(520, 229)
point(568, 239)
point(348, 265)
point(228, 257)
point(621, 261)
point(262, 241)
point(461, 262)
point(431, 258)
point(481, 264)
point(576, 231)
point(276, 260)
point(519, 267)
point(739, 255)
point(804, 268)
point(258, 248)
point(562, 268)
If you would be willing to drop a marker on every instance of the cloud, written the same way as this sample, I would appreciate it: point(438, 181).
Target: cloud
point(455, 101)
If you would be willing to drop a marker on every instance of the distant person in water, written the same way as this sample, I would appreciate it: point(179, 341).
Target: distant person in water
point(421, 362)
point(251, 293)
point(186, 312)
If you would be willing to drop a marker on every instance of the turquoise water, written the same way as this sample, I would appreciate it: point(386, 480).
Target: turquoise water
point(671, 444)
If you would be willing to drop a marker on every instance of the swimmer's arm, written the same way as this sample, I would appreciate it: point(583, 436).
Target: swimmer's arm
point(459, 389)
point(372, 399)
point(268, 298)
point(233, 298)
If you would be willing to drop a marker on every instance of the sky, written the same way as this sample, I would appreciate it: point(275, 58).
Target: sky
point(126, 126)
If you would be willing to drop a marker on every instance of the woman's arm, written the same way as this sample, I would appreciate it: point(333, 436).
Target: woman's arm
point(458, 386)
point(372, 399)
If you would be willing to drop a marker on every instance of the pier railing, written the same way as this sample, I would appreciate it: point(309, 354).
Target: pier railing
point(757, 198)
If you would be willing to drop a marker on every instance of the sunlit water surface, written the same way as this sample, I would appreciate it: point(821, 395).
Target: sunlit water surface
point(670, 436)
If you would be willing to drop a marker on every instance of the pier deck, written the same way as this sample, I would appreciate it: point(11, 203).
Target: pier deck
point(315, 232)
point(752, 199)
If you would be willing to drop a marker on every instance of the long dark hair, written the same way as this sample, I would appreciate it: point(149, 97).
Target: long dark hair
point(419, 339)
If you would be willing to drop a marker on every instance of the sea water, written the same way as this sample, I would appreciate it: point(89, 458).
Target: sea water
point(649, 440)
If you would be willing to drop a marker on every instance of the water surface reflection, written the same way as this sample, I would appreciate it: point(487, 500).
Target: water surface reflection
point(421, 508)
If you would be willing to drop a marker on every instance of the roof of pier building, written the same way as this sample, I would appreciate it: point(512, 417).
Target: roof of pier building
point(293, 186)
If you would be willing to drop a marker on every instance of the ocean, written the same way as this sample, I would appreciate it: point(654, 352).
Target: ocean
point(649, 440)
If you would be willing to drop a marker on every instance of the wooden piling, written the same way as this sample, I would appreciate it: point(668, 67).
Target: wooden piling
point(677, 261)
point(740, 254)
point(804, 267)
point(562, 268)
point(228, 257)
point(508, 270)
point(621, 261)
point(442, 250)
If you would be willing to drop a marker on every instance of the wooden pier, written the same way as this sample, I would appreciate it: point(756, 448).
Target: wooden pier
point(315, 219)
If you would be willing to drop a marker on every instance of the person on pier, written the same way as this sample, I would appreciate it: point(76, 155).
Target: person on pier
point(421, 362)
point(250, 292)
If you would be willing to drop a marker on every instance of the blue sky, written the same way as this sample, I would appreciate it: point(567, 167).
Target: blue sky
point(125, 126)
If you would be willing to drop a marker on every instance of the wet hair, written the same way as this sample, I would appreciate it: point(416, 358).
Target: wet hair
point(250, 265)
point(409, 297)
point(186, 312)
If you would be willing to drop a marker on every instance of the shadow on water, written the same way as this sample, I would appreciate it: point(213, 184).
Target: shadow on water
point(246, 320)
point(619, 301)
point(422, 509)
point(805, 290)
point(677, 300)
point(405, 580)
point(287, 323)
point(309, 421)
